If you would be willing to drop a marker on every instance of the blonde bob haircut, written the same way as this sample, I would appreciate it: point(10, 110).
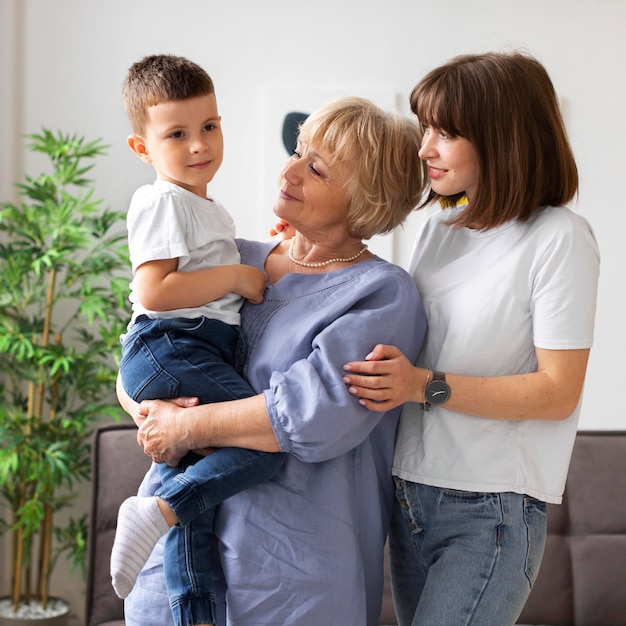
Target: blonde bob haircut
point(506, 106)
point(161, 78)
point(388, 178)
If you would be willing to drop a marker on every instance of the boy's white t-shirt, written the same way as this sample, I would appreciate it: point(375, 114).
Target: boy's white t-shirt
point(490, 298)
point(166, 221)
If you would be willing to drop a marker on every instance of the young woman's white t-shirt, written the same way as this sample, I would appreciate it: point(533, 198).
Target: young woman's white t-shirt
point(491, 297)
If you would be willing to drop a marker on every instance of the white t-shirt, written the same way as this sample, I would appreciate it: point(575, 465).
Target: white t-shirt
point(490, 298)
point(166, 221)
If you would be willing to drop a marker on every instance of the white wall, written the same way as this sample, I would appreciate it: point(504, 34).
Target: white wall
point(72, 56)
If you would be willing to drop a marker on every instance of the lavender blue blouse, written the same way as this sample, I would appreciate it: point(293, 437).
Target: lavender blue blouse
point(306, 548)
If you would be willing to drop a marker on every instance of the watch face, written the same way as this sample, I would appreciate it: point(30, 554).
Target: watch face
point(437, 392)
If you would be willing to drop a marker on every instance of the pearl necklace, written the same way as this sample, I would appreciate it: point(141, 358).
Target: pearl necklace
point(322, 263)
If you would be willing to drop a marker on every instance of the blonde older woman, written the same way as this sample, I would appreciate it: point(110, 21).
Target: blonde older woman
point(306, 547)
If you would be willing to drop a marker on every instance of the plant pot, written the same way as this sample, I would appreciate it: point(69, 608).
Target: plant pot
point(56, 614)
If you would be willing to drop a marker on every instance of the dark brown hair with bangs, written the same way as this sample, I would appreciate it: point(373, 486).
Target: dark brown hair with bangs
point(506, 106)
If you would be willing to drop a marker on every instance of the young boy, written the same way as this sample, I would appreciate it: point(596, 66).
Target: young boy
point(184, 337)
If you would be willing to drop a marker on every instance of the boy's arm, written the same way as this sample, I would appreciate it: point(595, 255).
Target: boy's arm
point(161, 287)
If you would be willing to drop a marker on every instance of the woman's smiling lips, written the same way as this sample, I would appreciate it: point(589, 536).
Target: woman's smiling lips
point(285, 196)
point(435, 172)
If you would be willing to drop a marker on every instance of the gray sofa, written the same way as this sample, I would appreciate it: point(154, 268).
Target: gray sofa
point(582, 581)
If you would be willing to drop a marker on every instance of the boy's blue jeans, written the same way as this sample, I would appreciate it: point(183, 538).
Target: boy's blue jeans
point(194, 357)
point(460, 558)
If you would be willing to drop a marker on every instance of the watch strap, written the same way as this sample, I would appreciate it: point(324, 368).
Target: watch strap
point(439, 376)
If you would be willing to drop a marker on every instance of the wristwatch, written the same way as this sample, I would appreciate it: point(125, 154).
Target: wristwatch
point(437, 391)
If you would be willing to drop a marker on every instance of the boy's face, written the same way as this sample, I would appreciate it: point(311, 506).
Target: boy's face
point(183, 140)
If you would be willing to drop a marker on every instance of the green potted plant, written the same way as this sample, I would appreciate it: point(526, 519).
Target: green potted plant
point(63, 293)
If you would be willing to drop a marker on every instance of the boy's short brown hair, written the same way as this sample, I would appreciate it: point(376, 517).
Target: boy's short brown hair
point(161, 78)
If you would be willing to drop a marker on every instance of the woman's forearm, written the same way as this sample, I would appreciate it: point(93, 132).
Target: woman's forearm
point(241, 423)
point(550, 393)
point(169, 431)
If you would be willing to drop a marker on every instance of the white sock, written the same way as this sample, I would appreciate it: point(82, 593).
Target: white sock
point(140, 525)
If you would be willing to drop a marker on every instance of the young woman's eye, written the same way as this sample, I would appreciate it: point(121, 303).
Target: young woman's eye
point(444, 135)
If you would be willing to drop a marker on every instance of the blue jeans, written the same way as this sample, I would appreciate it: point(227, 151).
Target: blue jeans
point(461, 558)
point(194, 357)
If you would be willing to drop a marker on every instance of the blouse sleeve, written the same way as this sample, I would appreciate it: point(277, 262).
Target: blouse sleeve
point(314, 416)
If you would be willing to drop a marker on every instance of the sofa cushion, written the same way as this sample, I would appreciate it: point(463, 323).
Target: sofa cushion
point(118, 465)
point(599, 579)
point(582, 580)
point(596, 492)
point(596, 485)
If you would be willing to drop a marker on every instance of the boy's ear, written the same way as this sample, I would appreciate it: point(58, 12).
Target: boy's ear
point(137, 144)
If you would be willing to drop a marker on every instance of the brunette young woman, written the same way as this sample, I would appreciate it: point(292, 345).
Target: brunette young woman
point(508, 275)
